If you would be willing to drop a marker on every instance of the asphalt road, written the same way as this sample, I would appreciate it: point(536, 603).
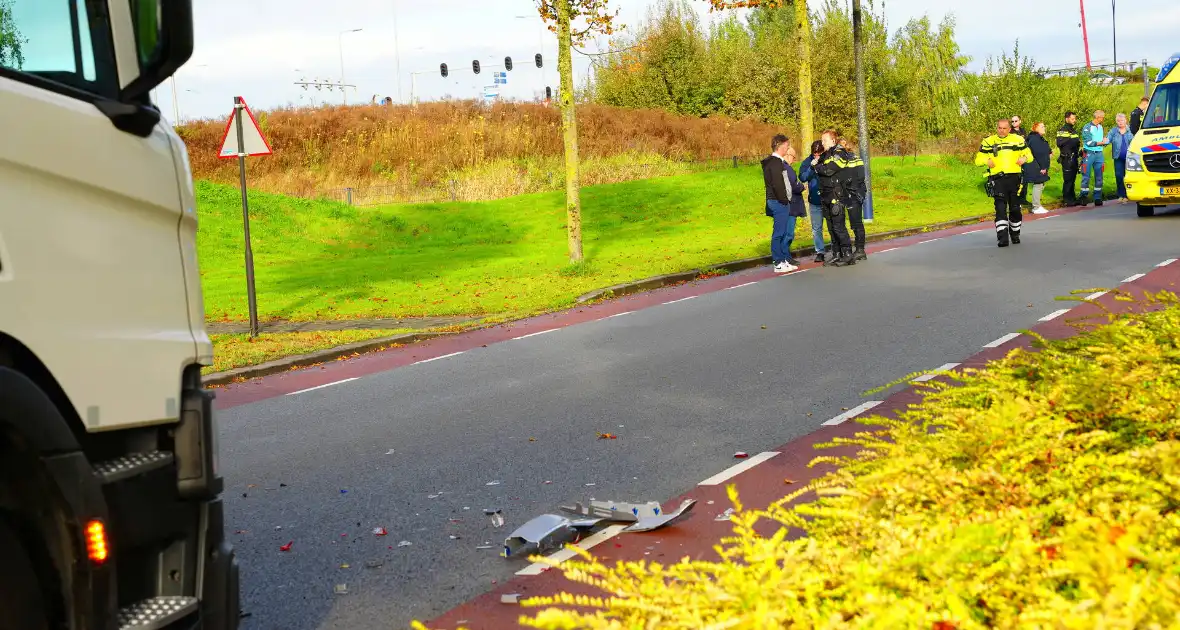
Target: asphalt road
point(683, 385)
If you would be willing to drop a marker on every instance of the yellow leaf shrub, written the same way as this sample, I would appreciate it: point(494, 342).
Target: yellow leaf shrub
point(1048, 497)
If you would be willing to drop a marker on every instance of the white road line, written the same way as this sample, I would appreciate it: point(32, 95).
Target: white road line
point(1047, 218)
point(1167, 262)
point(1002, 340)
point(537, 568)
point(445, 356)
point(886, 250)
point(737, 469)
point(970, 232)
point(740, 286)
point(929, 241)
point(311, 389)
point(618, 314)
point(691, 297)
point(852, 413)
point(946, 367)
point(1095, 296)
point(543, 332)
point(1054, 315)
point(1134, 277)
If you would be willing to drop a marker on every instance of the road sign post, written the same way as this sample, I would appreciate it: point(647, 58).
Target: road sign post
point(245, 140)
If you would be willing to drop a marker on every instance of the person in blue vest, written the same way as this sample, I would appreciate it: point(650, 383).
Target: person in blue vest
point(815, 206)
point(1093, 161)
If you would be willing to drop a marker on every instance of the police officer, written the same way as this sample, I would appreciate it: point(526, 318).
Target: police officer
point(834, 197)
point(1069, 143)
point(1004, 154)
point(852, 178)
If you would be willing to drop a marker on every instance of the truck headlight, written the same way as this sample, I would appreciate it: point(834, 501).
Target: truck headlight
point(1134, 162)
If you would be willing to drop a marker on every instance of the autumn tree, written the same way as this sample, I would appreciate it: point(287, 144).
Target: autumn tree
point(574, 22)
point(803, 42)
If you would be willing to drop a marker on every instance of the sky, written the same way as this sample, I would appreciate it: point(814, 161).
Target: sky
point(259, 49)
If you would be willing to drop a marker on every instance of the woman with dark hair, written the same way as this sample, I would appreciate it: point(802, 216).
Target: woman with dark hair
point(1036, 172)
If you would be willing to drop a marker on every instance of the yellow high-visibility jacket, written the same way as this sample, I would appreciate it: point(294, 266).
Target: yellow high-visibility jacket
point(1005, 152)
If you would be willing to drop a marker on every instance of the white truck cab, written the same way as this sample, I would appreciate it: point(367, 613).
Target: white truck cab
point(110, 514)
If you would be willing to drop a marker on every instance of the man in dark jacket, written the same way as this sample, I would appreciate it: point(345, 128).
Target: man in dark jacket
point(1137, 115)
point(1069, 143)
point(778, 203)
point(815, 207)
point(834, 196)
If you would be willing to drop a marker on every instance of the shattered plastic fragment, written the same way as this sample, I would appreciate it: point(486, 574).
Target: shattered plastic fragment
point(454, 537)
point(492, 483)
point(433, 496)
point(345, 566)
point(484, 547)
point(741, 455)
point(287, 547)
point(548, 483)
point(373, 564)
point(379, 531)
point(342, 589)
point(510, 598)
point(389, 452)
point(496, 516)
point(541, 534)
point(607, 436)
point(725, 516)
point(648, 523)
point(404, 543)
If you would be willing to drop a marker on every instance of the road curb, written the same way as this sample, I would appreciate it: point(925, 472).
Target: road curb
point(656, 282)
point(287, 364)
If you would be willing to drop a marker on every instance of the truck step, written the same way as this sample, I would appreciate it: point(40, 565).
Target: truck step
point(156, 612)
point(131, 465)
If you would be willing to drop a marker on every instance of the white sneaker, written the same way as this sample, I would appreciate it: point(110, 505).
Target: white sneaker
point(784, 267)
point(1040, 210)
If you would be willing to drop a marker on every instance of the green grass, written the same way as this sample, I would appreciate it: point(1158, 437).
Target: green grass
point(237, 350)
point(326, 260)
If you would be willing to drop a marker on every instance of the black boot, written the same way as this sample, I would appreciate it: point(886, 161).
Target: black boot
point(819, 257)
point(860, 254)
point(846, 258)
point(1016, 238)
point(1098, 201)
point(1002, 235)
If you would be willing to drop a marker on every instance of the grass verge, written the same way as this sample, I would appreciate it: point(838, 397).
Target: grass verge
point(326, 260)
point(1042, 491)
point(238, 350)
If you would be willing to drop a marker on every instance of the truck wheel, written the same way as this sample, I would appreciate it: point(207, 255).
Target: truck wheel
point(1144, 211)
point(20, 597)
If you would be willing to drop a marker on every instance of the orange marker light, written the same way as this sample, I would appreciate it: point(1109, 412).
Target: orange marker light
point(96, 541)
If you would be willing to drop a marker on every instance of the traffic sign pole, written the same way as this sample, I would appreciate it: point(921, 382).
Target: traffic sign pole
point(250, 295)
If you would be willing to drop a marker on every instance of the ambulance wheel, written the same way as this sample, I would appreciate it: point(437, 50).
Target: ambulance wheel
point(1144, 211)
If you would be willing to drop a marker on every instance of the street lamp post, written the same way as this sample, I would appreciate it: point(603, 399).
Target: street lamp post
point(340, 40)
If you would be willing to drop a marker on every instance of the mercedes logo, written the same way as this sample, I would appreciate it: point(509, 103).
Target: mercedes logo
point(1174, 161)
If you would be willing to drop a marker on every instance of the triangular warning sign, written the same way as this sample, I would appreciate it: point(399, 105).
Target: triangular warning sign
point(252, 138)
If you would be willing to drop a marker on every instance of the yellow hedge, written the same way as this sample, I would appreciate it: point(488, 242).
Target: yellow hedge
point(1049, 497)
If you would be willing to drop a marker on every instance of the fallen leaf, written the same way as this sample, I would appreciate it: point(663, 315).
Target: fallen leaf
point(345, 566)
point(287, 547)
point(607, 436)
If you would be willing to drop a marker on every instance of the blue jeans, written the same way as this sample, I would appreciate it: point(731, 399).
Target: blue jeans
point(1120, 174)
point(1093, 165)
point(816, 213)
point(783, 233)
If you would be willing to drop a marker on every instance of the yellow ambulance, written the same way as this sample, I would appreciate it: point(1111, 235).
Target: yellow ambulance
point(1153, 159)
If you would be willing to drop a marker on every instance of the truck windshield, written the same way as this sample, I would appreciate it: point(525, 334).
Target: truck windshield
point(1164, 110)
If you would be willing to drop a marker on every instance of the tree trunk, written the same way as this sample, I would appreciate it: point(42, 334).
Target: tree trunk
point(803, 33)
point(569, 128)
point(862, 113)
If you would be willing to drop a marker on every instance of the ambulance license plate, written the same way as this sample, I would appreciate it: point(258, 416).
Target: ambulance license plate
point(1170, 191)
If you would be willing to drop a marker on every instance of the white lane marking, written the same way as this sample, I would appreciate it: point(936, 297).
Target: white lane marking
point(1054, 315)
point(1167, 262)
point(1048, 217)
point(311, 389)
point(618, 314)
point(1095, 296)
point(740, 286)
point(737, 469)
point(445, 356)
point(970, 232)
point(1002, 340)
point(929, 241)
point(1134, 277)
point(852, 413)
point(691, 297)
point(886, 250)
point(543, 332)
point(537, 568)
point(946, 367)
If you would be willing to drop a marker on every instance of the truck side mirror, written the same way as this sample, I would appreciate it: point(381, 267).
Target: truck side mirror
point(163, 42)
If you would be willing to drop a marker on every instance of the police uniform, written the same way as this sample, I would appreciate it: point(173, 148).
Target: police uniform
point(1005, 153)
point(834, 198)
point(852, 183)
point(1069, 143)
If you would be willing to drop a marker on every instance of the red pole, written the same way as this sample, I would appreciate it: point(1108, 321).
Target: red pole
point(1085, 37)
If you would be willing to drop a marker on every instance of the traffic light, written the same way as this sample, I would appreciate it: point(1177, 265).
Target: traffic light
point(475, 66)
point(537, 59)
point(548, 93)
point(508, 63)
point(443, 69)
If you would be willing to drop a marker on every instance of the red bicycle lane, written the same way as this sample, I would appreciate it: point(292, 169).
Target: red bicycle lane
point(348, 368)
point(774, 474)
